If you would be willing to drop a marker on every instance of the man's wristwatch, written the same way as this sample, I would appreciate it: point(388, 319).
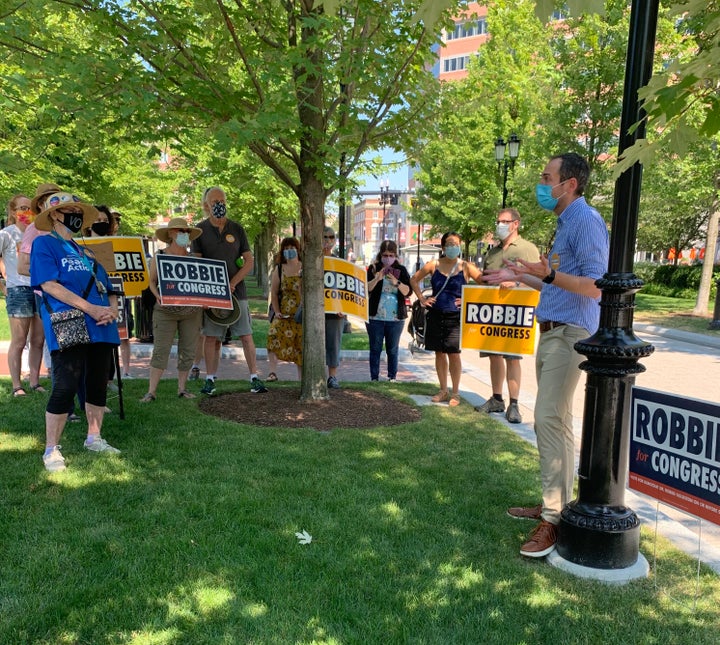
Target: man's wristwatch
point(548, 279)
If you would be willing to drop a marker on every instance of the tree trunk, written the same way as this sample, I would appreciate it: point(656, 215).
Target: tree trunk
point(265, 243)
point(312, 207)
point(703, 297)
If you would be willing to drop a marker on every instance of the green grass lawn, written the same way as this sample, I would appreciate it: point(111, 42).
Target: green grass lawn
point(675, 313)
point(188, 537)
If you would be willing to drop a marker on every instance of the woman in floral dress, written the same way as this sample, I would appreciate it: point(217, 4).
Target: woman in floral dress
point(284, 341)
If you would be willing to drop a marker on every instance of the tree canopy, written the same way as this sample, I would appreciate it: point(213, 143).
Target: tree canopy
point(307, 86)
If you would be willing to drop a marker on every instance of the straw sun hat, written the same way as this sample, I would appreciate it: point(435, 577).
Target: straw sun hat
point(60, 200)
point(175, 224)
point(42, 191)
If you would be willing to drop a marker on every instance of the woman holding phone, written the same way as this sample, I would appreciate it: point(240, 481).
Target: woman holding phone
point(389, 285)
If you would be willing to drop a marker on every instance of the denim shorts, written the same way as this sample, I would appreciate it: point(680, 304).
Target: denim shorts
point(20, 302)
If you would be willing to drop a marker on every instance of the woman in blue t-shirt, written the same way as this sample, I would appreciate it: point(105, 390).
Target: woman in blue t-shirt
point(71, 278)
point(388, 285)
point(448, 274)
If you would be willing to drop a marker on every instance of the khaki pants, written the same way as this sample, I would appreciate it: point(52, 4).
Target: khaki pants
point(556, 367)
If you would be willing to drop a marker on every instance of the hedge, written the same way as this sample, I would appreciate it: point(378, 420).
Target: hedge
point(681, 281)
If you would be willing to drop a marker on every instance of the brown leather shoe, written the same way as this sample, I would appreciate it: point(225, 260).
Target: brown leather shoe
point(525, 512)
point(541, 542)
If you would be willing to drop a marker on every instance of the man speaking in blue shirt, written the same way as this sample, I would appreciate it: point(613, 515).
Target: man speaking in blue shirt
point(569, 311)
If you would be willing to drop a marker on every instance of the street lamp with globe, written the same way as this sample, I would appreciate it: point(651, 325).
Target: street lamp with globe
point(506, 162)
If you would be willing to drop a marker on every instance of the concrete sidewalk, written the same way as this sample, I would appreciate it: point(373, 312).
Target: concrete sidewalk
point(675, 367)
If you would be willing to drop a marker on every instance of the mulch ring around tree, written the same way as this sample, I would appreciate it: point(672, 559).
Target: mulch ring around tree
point(281, 407)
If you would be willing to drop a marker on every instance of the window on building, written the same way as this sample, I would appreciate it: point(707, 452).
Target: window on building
point(455, 64)
point(467, 29)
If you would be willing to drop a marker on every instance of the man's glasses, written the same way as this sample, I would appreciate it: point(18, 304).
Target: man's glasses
point(329, 237)
point(505, 221)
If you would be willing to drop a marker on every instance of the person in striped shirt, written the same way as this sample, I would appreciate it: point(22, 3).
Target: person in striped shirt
point(568, 312)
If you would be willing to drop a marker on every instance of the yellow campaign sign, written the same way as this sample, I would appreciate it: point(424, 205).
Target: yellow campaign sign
point(130, 263)
point(345, 287)
point(500, 321)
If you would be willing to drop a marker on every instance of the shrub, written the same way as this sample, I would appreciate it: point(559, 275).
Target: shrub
point(682, 281)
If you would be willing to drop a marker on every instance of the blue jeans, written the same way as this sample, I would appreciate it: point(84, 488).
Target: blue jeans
point(390, 332)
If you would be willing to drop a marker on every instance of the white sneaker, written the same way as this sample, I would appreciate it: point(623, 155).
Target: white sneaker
point(127, 377)
point(54, 461)
point(100, 445)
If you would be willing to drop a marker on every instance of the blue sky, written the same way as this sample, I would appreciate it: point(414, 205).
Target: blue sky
point(397, 177)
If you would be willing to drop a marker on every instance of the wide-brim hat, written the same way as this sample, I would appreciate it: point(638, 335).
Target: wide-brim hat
point(175, 224)
point(42, 191)
point(63, 200)
point(224, 317)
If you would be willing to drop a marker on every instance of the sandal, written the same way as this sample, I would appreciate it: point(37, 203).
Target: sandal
point(38, 388)
point(271, 377)
point(185, 395)
point(19, 391)
point(148, 398)
point(441, 396)
point(454, 400)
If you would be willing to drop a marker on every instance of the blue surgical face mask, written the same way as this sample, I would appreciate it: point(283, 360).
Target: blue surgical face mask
point(290, 254)
point(452, 252)
point(219, 210)
point(182, 239)
point(543, 194)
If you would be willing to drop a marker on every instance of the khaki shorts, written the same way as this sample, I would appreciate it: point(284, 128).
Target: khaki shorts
point(507, 357)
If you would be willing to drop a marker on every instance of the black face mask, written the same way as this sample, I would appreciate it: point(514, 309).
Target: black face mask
point(101, 228)
point(73, 221)
point(219, 210)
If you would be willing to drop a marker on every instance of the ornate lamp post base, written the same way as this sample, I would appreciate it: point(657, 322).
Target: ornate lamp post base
point(597, 531)
point(601, 536)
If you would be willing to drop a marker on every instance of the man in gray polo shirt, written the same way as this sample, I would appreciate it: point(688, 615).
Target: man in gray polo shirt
point(223, 239)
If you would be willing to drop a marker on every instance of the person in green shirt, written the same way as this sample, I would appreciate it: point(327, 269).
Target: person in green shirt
point(511, 248)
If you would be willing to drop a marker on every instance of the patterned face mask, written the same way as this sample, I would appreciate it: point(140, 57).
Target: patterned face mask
point(219, 210)
point(24, 216)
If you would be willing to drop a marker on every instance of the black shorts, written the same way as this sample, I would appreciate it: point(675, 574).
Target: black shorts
point(442, 331)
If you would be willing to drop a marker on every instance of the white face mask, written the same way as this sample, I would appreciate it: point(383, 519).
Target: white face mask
point(502, 231)
point(182, 239)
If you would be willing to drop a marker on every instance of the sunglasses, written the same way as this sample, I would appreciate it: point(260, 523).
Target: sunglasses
point(329, 237)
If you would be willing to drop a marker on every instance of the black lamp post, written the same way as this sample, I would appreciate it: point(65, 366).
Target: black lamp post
point(506, 162)
point(597, 531)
